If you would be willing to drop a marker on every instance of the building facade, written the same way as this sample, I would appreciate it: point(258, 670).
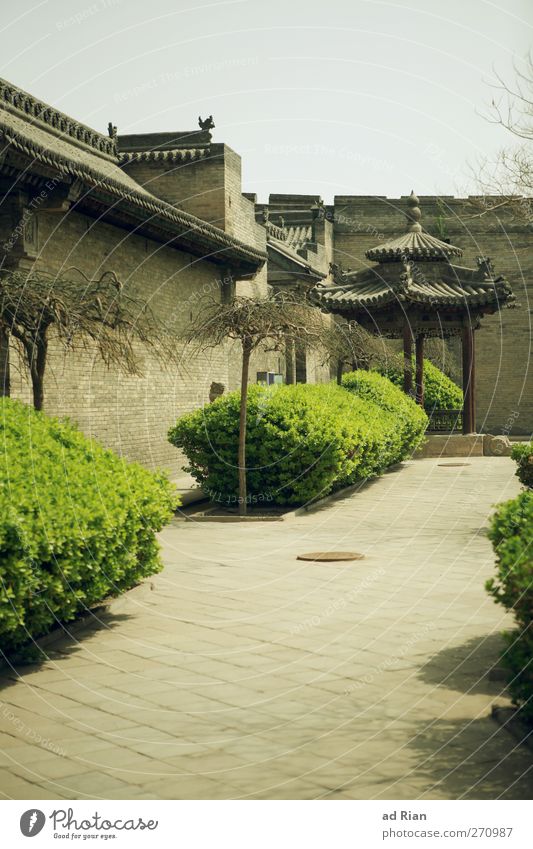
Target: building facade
point(166, 214)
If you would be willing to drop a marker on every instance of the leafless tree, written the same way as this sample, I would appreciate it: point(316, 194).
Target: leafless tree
point(347, 344)
point(83, 313)
point(507, 181)
point(254, 322)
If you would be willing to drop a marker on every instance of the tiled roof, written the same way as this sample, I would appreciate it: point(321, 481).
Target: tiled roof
point(415, 243)
point(437, 285)
point(415, 269)
point(182, 154)
point(301, 264)
point(298, 236)
point(46, 136)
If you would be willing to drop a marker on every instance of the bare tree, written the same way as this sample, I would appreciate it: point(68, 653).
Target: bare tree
point(507, 181)
point(253, 322)
point(346, 343)
point(93, 314)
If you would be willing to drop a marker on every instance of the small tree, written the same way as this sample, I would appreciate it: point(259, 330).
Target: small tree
point(252, 322)
point(94, 314)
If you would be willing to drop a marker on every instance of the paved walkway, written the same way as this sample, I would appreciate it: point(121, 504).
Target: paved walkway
point(244, 672)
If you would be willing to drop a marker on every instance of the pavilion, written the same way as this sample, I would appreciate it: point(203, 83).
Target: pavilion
point(417, 291)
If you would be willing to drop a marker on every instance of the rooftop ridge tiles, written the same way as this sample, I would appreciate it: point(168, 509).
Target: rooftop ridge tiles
point(137, 196)
point(23, 103)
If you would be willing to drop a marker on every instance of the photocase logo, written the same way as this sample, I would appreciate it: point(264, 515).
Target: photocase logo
point(32, 822)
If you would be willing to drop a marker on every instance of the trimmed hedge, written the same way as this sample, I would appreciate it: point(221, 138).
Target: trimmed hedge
point(411, 419)
point(512, 537)
point(523, 454)
point(77, 523)
point(302, 441)
point(440, 391)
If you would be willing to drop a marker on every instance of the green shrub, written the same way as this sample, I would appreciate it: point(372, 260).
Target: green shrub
point(77, 523)
point(411, 420)
point(512, 537)
point(522, 452)
point(440, 391)
point(302, 441)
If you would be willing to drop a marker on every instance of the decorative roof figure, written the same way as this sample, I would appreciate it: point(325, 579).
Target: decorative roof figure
point(207, 123)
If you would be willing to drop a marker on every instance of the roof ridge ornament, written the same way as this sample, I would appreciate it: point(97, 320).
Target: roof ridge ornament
point(415, 243)
point(413, 214)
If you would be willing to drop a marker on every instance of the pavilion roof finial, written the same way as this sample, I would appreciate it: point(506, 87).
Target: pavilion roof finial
point(413, 214)
point(415, 244)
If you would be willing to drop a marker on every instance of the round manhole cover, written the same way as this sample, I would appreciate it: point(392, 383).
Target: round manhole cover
point(330, 556)
point(450, 465)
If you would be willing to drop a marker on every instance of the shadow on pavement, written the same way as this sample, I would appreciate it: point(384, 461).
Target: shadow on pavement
point(475, 759)
point(467, 668)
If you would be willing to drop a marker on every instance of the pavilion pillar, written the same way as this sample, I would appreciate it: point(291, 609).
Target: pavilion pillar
point(407, 359)
point(469, 380)
point(419, 375)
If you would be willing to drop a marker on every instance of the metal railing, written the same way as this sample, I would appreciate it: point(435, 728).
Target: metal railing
point(445, 421)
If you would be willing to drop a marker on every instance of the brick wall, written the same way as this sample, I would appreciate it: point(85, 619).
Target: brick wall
point(129, 414)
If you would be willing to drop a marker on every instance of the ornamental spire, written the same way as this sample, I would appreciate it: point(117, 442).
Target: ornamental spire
point(413, 214)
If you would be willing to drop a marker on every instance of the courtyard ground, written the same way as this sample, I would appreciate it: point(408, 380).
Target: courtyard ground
point(242, 672)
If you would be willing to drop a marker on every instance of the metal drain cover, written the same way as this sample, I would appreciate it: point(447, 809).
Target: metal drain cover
point(449, 465)
point(330, 556)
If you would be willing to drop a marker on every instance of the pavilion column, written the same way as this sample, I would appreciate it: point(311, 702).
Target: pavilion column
point(407, 359)
point(469, 380)
point(419, 376)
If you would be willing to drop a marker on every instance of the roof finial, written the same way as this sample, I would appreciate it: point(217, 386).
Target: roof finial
point(413, 214)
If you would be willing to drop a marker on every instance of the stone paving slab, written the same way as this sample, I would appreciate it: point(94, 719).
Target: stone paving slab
point(241, 672)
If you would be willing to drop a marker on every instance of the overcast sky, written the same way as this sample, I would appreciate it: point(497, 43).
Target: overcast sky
point(319, 97)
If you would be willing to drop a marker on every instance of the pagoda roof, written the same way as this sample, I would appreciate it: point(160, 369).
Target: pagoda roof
point(440, 286)
point(415, 243)
point(415, 269)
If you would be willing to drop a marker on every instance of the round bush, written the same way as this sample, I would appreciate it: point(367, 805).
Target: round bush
point(77, 523)
point(512, 537)
point(411, 420)
point(302, 441)
point(440, 391)
point(522, 452)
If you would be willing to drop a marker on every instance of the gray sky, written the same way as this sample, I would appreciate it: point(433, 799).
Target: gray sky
point(325, 96)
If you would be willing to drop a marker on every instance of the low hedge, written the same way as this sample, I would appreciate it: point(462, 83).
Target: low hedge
point(522, 452)
point(302, 441)
point(77, 523)
point(512, 537)
point(440, 391)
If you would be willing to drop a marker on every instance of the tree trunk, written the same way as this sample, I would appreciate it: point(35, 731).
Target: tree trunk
point(246, 351)
point(37, 362)
point(5, 381)
point(340, 370)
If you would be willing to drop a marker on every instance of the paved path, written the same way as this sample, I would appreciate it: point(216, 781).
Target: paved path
point(246, 673)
